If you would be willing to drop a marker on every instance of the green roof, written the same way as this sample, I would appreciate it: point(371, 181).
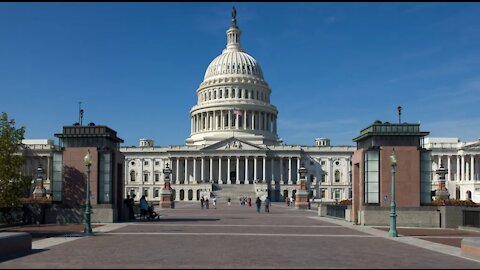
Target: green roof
point(387, 129)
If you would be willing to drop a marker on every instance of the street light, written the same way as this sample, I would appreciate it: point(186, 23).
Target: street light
point(393, 214)
point(88, 227)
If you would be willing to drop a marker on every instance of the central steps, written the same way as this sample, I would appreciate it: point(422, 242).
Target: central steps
point(234, 191)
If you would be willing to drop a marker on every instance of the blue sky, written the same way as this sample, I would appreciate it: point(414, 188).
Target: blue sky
point(333, 68)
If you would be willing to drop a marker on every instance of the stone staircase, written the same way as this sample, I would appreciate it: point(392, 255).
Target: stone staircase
point(234, 191)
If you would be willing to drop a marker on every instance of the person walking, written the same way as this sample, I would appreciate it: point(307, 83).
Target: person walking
point(229, 201)
point(259, 204)
point(214, 202)
point(249, 202)
point(267, 205)
point(143, 206)
point(201, 202)
point(207, 204)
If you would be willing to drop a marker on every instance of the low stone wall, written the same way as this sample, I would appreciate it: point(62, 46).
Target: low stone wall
point(63, 215)
point(425, 216)
point(452, 216)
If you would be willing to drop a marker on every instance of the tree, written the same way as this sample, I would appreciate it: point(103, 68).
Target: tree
point(12, 183)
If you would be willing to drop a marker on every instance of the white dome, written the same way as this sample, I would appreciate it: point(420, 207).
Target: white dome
point(233, 62)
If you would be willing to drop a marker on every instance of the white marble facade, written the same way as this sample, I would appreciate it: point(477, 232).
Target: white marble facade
point(234, 141)
point(462, 160)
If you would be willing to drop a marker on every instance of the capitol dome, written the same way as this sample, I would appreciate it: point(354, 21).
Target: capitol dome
point(233, 62)
point(233, 99)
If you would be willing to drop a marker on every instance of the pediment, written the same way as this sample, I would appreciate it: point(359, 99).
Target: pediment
point(233, 144)
point(472, 146)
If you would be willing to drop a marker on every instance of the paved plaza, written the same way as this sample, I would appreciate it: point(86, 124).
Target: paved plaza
point(238, 237)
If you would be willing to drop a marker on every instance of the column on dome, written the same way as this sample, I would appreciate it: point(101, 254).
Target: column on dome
point(229, 119)
point(265, 121)
point(245, 119)
point(222, 121)
point(214, 120)
point(252, 123)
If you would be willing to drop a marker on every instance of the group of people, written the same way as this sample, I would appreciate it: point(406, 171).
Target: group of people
point(289, 201)
point(146, 210)
point(245, 201)
point(205, 202)
point(266, 203)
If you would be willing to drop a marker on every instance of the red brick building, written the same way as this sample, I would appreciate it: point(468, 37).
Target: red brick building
point(372, 170)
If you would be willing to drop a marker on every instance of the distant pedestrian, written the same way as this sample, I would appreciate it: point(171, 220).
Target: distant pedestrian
point(201, 202)
point(249, 202)
point(214, 202)
point(267, 205)
point(229, 201)
point(129, 204)
point(287, 201)
point(259, 204)
point(207, 204)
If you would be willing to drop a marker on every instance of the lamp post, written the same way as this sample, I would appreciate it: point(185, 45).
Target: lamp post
point(88, 227)
point(393, 215)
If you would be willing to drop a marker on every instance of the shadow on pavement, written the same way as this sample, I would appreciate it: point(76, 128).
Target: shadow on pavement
point(179, 220)
point(20, 254)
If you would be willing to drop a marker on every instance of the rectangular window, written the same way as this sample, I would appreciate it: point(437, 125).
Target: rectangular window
point(425, 176)
point(372, 186)
point(157, 177)
point(323, 193)
point(324, 178)
point(105, 175)
point(146, 163)
point(57, 186)
point(323, 162)
point(337, 194)
point(145, 177)
point(157, 163)
point(156, 193)
point(145, 193)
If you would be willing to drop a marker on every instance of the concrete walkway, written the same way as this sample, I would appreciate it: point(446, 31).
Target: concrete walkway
point(239, 237)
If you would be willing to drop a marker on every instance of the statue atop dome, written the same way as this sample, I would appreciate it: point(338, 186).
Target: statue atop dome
point(234, 17)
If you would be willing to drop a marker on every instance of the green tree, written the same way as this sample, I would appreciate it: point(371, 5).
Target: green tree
point(12, 183)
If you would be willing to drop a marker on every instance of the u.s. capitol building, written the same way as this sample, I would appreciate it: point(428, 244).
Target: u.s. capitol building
point(234, 149)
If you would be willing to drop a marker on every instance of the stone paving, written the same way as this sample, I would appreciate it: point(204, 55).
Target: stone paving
point(239, 237)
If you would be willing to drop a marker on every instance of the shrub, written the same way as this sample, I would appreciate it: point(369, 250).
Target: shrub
point(454, 202)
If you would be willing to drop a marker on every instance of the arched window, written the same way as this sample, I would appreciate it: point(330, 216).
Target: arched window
point(469, 195)
point(132, 176)
point(337, 176)
point(182, 194)
point(215, 94)
point(190, 194)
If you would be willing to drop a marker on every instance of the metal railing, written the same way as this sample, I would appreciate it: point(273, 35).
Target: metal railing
point(336, 210)
point(471, 218)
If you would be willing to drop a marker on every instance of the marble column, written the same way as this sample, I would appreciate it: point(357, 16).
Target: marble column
point(298, 167)
point(449, 168)
point(246, 171)
point(194, 170)
point(178, 171)
point(229, 181)
point(463, 178)
point(211, 170)
point(264, 171)
point(202, 170)
point(472, 168)
point(290, 182)
point(220, 170)
point(255, 178)
point(457, 170)
point(185, 181)
point(252, 124)
point(282, 181)
point(237, 178)
point(272, 180)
